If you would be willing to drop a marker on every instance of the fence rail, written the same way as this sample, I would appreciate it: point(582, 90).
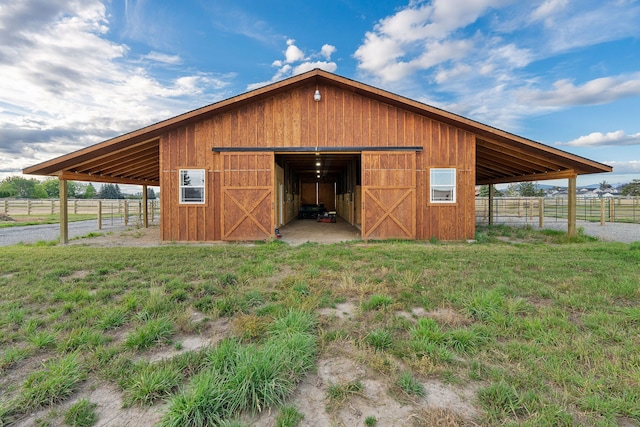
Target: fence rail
point(539, 209)
point(121, 211)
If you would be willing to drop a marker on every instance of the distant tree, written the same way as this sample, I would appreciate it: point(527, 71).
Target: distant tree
point(110, 191)
point(631, 189)
point(484, 191)
point(90, 192)
point(52, 187)
point(151, 195)
point(529, 189)
point(604, 185)
point(22, 188)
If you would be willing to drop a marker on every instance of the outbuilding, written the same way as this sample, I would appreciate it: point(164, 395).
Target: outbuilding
point(391, 166)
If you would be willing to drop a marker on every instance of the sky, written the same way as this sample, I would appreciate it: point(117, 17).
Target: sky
point(565, 73)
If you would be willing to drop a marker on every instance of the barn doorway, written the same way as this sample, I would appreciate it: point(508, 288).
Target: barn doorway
point(318, 183)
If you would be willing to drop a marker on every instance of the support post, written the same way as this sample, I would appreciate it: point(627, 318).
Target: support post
point(492, 192)
point(64, 214)
point(145, 208)
point(126, 212)
point(572, 229)
point(602, 212)
point(99, 214)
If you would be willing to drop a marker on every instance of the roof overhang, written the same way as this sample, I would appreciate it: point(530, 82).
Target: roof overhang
point(501, 157)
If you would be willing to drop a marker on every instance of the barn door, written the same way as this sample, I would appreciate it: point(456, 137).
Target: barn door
point(389, 195)
point(247, 195)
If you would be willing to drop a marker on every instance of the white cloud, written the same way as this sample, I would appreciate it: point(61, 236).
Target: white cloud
point(593, 92)
point(67, 86)
point(163, 57)
point(597, 139)
point(296, 62)
point(548, 9)
point(293, 53)
point(625, 167)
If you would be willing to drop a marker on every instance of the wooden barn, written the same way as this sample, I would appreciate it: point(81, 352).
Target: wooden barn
point(390, 166)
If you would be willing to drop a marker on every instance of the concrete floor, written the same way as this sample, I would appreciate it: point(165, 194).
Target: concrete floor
point(301, 231)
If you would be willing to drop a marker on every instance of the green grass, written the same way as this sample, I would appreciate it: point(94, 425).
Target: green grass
point(546, 331)
point(81, 414)
point(37, 219)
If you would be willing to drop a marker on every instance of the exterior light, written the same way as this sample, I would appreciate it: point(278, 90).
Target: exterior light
point(318, 163)
point(316, 96)
point(317, 171)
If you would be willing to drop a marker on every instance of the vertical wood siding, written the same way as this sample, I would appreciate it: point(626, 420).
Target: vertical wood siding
point(341, 119)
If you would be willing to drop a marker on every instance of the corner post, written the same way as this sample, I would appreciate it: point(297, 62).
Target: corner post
point(64, 215)
point(571, 208)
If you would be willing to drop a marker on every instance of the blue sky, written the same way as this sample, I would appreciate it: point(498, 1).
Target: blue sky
point(562, 72)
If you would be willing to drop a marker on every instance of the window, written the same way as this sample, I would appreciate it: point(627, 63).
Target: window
point(192, 186)
point(443, 185)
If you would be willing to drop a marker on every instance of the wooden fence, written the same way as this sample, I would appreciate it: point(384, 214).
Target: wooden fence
point(539, 209)
point(106, 211)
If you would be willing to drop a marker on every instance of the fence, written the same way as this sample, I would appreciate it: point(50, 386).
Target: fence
point(105, 211)
point(538, 209)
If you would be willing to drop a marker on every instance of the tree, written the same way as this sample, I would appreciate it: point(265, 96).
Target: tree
point(22, 188)
point(631, 189)
point(604, 185)
point(151, 195)
point(110, 191)
point(484, 191)
point(90, 192)
point(52, 187)
point(529, 189)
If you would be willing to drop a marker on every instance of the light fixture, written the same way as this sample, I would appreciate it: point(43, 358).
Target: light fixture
point(317, 171)
point(316, 96)
point(318, 176)
point(318, 163)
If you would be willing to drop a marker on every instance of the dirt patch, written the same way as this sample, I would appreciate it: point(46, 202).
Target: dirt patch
point(80, 274)
point(6, 218)
point(341, 311)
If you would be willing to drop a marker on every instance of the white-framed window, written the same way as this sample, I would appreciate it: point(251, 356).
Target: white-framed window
point(442, 185)
point(192, 186)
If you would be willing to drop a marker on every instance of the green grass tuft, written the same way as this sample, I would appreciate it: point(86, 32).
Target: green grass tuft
point(81, 414)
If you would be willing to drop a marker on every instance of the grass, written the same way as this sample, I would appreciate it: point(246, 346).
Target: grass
point(81, 414)
point(22, 220)
point(545, 331)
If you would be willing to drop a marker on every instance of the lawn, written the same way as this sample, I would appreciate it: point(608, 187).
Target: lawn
point(519, 328)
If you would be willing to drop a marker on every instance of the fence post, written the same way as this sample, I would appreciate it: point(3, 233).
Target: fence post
point(99, 214)
point(612, 210)
point(602, 212)
point(126, 213)
point(28, 207)
point(6, 207)
point(541, 212)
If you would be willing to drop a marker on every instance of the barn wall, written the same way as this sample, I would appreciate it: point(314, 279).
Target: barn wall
point(341, 119)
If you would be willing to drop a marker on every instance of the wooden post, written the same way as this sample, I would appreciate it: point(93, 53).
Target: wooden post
point(6, 207)
point(99, 214)
point(492, 193)
point(145, 203)
point(612, 210)
point(541, 212)
point(53, 204)
point(572, 229)
point(28, 207)
point(126, 213)
point(602, 212)
point(64, 215)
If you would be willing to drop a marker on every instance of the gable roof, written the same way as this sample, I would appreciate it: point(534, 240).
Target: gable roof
point(501, 157)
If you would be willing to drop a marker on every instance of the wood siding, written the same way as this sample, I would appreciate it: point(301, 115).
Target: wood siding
point(292, 118)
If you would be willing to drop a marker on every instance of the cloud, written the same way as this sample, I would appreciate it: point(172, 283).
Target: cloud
point(67, 86)
point(625, 167)
point(297, 62)
point(162, 57)
point(593, 92)
point(597, 139)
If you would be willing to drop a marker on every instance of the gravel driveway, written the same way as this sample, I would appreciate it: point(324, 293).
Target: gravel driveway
point(47, 232)
point(611, 232)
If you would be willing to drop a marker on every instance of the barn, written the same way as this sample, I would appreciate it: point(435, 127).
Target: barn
point(391, 166)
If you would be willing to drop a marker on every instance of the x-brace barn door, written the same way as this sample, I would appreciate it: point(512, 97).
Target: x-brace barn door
point(389, 195)
point(247, 195)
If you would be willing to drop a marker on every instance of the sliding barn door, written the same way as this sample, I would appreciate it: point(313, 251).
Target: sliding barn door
point(389, 195)
point(247, 195)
